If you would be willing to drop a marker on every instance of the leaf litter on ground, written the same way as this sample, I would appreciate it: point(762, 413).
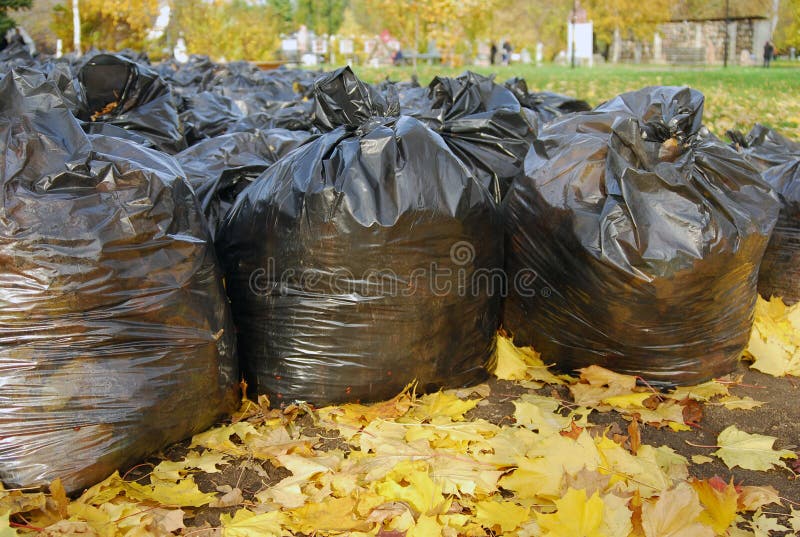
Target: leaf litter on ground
point(426, 465)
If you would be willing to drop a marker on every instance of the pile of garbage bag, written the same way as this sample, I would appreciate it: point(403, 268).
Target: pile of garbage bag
point(115, 334)
point(778, 160)
point(350, 263)
point(634, 240)
point(164, 226)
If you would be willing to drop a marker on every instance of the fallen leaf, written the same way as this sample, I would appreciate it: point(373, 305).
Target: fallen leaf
point(505, 515)
point(575, 516)
point(635, 436)
point(245, 523)
point(674, 513)
point(720, 505)
point(749, 451)
point(752, 498)
point(739, 403)
point(701, 459)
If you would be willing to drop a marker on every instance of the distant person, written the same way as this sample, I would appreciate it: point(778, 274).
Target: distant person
point(769, 52)
point(397, 57)
point(506, 52)
point(493, 54)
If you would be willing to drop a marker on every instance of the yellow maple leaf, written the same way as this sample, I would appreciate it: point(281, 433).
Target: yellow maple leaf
point(245, 523)
point(774, 344)
point(540, 413)
point(750, 451)
point(411, 482)
point(521, 363)
point(331, 515)
point(720, 505)
point(184, 493)
point(426, 526)
point(5, 527)
point(441, 404)
point(701, 392)
point(219, 438)
point(355, 416)
point(575, 516)
point(674, 513)
point(597, 383)
point(505, 515)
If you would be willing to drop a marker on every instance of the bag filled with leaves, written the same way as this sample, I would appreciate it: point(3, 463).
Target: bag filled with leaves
point(350, 262)
point(481, 121)
point(129, 95)
point(115, 333)
point(634, 241)
point(544, 106)
point(778, 160)
point(220, 168)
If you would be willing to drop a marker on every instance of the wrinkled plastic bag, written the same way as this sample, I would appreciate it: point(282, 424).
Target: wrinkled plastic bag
point(220, 168)
point(130, 95)
point(481, 121)
point(331, 257)
point(634, 241)
point(115, 334)
point(545, 105)
point(778, 160)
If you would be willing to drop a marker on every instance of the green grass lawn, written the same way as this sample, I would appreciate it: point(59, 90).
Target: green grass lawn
point(736, 97)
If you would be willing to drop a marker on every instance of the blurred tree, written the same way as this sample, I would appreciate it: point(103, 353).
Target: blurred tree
point(787, 32)
point(37, 21)
point(715, 9)
point(283, 10)
point(454, 25)
point(633, 18)
point(6, 22)
point(227, 28)
point(318, 15)
point(108, 25)
point(545, 22)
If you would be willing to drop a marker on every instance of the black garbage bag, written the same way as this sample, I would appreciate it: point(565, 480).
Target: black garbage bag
point(778, 160)
point(294, 116)
point(190, 78)
point(207, 115)
point(115, 333)
point(220, 168)
point(343, 261)
point(634, 241)
point(131, 96)
point(545, 105)
point(483, 124)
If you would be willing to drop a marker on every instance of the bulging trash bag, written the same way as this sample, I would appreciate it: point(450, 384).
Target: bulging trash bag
point(115, 333)
point(350, 262)
point(481, 122)
point(207, 115)
point(131, 96)
point(634, 241)
point(778, 160)
point(220, 168)
point(545, 105)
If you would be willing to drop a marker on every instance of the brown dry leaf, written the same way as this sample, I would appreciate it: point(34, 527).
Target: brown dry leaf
point(574, 431)
point(692, 412)
point(635, 436)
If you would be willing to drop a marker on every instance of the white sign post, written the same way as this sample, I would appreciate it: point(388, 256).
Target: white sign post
point(583, 33)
